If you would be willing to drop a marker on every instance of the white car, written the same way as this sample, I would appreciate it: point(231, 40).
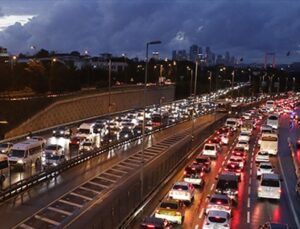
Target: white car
point(86, 146)
point(216, 219)
point(269, 187)
point(244, 144)
point(54, 149)
point(265, 168)
point(40, 139)
point(262, 156)
point(219, 202)
point(182, 191)
point(210, 149)
point(5, 148)
point(224, 139)
point(244, 137)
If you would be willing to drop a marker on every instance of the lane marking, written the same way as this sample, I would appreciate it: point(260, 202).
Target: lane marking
point(250, 172)
point(50, 221)
point(60, 211)
point(201, 213)
point(249, 190)
point(248, 216)
point(197, 226)
point(212, 186)
point(248, 202)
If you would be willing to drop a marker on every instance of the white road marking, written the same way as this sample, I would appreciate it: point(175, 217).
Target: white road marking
point(251, 172)
point(220, 170)
point(201, 213)
point(197, 226)
point(248, 216)
point(212, 186)
point(249, 190)
point(248, 202)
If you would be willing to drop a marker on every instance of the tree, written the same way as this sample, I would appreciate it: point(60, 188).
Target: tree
point(37, 75)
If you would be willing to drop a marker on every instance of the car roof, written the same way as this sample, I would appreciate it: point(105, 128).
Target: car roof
point(181, 183)
point(169, 200)
point(220, 196)
point(272, 176)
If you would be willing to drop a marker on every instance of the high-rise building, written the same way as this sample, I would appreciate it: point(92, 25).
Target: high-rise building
point(227, 58)
point(155, 55)
point(194, 51)
point(3, 52)
point(181, 55)
point(174, 55)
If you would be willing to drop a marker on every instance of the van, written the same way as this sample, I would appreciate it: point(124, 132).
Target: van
point(26, 153)
point(85, 130)
point(232, 123)
point(273, 121)
point(269, 186)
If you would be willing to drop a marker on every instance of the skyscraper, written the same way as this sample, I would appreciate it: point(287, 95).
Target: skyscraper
point(174, 55)
point(194, 51)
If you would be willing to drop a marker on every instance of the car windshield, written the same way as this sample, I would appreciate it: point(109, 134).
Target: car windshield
point(225, 184)
point(84, 131)
point(201, 160)
point(169, 205)
point(273, 118)
point(230, 122)
point(244, 134)
point(52, 157)
point(216, 219)
point(265, 166)
point(209, 147)
point(222, 201)
point(180, 187)
point(270, 183)
point(52, 147)
point(17, 153)
point(3, 145)
point(87, 144)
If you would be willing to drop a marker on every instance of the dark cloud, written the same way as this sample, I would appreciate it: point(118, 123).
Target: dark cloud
point(246, 28)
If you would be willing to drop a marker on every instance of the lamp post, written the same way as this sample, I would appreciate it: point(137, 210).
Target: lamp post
point(191, 81)
point(53, 61)
point(12, 64)
point(232, 82)
point(210, 78)
point(144, 104)
point(294, 83)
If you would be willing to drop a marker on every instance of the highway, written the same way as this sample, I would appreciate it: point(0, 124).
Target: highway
point(23, 206)
point(249, 212)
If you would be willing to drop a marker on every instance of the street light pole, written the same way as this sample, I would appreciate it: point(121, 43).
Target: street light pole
point(232, 82)
point(196, 76)
point(143, 128)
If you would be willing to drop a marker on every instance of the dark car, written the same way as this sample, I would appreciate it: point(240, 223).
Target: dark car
point(204, 161)
point(125, 133)
point(234, 168)
point(156, 223)
point(228, 184)
point(271, 225)
point(61, 132)
point(137, 130)
point(194, 174)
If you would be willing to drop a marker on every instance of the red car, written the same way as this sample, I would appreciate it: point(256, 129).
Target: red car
point(239, 151)
point(234, 168)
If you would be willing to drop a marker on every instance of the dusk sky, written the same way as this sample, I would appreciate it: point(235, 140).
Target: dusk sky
point(245, 28)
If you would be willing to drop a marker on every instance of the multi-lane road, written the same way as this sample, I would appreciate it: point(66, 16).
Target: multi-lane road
point(250, 212)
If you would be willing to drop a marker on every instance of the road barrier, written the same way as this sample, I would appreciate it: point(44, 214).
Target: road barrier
point(293, 153)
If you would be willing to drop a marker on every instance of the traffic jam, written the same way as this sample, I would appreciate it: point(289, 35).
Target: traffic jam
point(37, 153)
point(233, 175)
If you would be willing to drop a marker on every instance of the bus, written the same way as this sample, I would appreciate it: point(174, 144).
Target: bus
point(270, 104)
point(269, 143)
point(235, 109)
point(273, 121)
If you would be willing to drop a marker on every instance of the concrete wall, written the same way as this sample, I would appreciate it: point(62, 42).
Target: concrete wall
point(89, 106)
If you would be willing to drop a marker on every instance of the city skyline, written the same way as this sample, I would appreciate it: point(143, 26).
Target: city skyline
point(245, 29)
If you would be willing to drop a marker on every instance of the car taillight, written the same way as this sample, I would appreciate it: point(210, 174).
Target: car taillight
point(227, 208)
point(219, 202)
point(207, 163)
point(178, 213)
point(279, 190)
point(238, 170)
point(201, 174)
point(259, 189)
point(184, 173)
point(157, 211)
point(150, 226)
point(226, 169)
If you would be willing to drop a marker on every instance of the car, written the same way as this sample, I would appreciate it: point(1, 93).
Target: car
point(126, 133)
point(237, 159)
point(233, 167)
point(194, 174)
point(224, 130)
point(51, 160)
point(263, 168)
point(244, 144)
point(298, 144)
point(171, 210)
point(5, 148)
point(182, 191)
point(40, 139)
point(269, 187)
point(75, 141)
point(227, 184)
point(219, 202)
point(262, 156)
point(244, 137)
point(155, 223)
point(216, 219)
point(86, 146)
point(204, 161)
point(211, 150)
point(273, 225)
point(239, 151)
point(224, 139)
point(61, 132)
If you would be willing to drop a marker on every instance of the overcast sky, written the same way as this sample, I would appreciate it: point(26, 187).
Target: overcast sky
point(245, 28)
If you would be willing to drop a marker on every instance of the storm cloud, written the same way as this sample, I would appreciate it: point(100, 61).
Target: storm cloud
point(247, 28)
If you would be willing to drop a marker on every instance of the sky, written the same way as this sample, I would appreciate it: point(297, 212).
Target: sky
point(244, 28)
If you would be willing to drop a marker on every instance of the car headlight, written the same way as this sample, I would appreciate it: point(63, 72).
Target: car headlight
point(54, 131)
point(54, 164)
point(61, 132)
point(3, 151)
point(20, 162)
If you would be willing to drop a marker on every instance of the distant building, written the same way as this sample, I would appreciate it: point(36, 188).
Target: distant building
point(194, 51)
point(3, 52)
point(174, 55)
point(155, 55)
point(181, 55)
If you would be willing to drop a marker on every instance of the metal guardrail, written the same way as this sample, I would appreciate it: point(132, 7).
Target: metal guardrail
point(49, 173)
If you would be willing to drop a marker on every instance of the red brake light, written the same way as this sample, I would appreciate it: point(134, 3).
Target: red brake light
point(150, 226)
point(279, 190)
point(226, 169)
point(201, 174)
point(219, 202)
point(184, 173)
point(193, 168)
